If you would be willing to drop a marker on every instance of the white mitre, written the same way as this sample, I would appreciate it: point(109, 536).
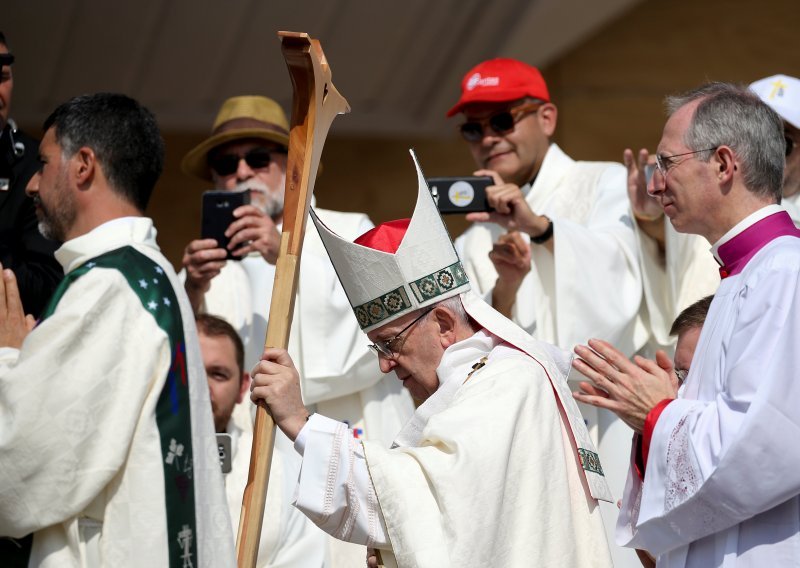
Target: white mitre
point(383, 286)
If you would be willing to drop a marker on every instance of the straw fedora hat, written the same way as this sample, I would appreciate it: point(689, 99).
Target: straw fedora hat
point(239, 117)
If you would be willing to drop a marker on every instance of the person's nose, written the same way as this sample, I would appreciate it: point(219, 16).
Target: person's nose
point(386, 364)
point(243, 171)
point(33, 185)
point(657, 183)
point(490, 137)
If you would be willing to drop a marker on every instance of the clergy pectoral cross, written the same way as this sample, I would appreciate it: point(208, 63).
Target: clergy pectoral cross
point(476, 366)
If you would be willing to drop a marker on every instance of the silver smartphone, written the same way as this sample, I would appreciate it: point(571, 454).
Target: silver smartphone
point(225, 448)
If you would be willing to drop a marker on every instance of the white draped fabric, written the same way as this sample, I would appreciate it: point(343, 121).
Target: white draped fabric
point(81, 465)
point(489, 476)
point(721, 487)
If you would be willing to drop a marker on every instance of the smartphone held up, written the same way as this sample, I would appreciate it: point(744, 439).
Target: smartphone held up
point(218, 208)
point(463, 195)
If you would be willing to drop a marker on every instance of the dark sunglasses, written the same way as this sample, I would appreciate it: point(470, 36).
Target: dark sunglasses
point(501, 122)
point(256, 158)
point(790, 145)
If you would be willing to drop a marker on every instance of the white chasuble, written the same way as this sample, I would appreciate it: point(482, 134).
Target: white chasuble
point(491, 476)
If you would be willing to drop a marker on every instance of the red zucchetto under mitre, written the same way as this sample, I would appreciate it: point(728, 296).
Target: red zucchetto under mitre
point(385, 237)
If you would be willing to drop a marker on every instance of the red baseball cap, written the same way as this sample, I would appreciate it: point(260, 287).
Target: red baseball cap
point(500, 80)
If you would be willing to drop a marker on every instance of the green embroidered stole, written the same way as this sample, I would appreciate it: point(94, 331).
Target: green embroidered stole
point(147, 279)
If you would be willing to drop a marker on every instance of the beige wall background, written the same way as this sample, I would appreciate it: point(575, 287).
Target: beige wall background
point(609, 93)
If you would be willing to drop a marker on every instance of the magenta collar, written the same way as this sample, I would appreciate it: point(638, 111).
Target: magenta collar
point(737, 252)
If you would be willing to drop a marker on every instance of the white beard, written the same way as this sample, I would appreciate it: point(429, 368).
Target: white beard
point(265, 198)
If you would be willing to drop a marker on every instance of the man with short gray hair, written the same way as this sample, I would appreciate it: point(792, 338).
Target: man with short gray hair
point(712, 484)
point(677, 268)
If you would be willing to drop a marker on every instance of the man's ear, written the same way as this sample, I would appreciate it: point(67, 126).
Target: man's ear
point(84, 163)
point(548, 117)
point(244, 387)
point(446, 322)
point(725, 162)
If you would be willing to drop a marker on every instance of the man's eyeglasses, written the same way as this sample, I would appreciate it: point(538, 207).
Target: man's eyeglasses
point(681, 374)
point(501, 122)
point(256, 158)
point(664, 163)
point(391, 347)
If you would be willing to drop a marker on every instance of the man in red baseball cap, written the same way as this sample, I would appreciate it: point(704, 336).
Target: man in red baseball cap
point(574, 214)
point(558, 254)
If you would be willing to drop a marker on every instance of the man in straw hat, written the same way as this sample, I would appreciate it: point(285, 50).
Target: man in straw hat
point(494, 469)
point(247, 151)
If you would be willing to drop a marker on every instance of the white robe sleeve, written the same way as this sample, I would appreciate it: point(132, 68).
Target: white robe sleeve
point(590, 285)
point(69, 404)
point(707, 456)
point(686, 273)
point(334, 489)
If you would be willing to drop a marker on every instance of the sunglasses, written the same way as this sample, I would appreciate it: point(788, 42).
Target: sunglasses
point(256, 158)
point(501, 123)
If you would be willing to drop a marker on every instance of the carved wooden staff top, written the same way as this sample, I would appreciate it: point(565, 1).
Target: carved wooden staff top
point(316, 103)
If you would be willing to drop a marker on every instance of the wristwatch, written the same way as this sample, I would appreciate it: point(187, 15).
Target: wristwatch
point(547, 235)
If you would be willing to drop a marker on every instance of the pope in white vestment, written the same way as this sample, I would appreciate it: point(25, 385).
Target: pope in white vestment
point(107, 452)
point(496, 467)
point(710, 503)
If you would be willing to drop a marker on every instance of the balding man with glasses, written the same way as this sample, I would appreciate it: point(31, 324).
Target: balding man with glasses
point(678, 268)
point(714, 482)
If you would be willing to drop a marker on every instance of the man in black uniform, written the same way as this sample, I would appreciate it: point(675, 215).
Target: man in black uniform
point(23, 249)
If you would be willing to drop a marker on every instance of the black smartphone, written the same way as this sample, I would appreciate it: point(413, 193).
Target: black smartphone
point(218, 207)
point(460, 194)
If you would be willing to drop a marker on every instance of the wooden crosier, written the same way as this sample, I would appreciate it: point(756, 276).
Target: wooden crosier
point(316, 103)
